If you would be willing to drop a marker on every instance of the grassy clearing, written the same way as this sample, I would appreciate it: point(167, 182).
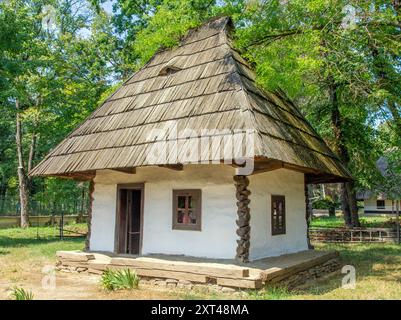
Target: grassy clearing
point(338, 221)
point(42, 243)
point(22, 257)
point(378, 276)
point(378, 273)
point(25, 252)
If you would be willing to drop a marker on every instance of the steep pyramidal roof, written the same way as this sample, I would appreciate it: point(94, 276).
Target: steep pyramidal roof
point(202, 84)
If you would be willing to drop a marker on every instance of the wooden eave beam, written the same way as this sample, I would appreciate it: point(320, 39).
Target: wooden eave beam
point(313, 176)
point(125, 170)
point(324, 178)
point(267, 165)
point(176, 167)
point(78, 176)
point(299, 169)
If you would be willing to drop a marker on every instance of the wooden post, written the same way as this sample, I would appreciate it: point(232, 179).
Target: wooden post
point(243, 222)
point(307, 215)
point(88, 235)
point(62, 225)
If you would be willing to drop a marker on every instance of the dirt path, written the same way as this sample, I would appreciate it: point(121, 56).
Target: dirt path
point(70, 286)
point(25, 262)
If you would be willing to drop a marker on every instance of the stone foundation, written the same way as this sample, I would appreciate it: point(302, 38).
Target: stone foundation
point(158, 282)
point(290, 280)
point(302, 277)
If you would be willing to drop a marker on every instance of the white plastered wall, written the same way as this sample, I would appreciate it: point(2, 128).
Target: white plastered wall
point(217, 239)
point(262, 186)
point(371, 205)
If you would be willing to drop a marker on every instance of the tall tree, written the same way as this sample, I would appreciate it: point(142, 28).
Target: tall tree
point(56, 62)
point(23, 61)
point(317, 51)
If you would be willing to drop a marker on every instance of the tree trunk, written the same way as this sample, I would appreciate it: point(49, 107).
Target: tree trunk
point(386, 82)
point(353, 204)
point(22, 177)
point(80, 216)
point(332, 211)
point(397, 8)
point(31, 157)
point(345, 206)
point(395, 113)
point(348, 196)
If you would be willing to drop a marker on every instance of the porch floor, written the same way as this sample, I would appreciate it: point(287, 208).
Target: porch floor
point(224, 272)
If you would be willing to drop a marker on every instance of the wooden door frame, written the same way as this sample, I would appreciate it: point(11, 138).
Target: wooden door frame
point(129, 186)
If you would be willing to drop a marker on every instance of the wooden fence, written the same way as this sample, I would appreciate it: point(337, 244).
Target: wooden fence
point(10, 206)
point(354, 235)
point(15, 221)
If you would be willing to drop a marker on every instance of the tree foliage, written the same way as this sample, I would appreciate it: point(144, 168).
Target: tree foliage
point(338, 60)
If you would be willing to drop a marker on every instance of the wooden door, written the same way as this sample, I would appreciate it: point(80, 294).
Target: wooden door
point(129, 221)
point(134, 222)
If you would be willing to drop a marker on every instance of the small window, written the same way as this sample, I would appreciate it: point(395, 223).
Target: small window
point(278, 215)
point(380, 204)
point(187, 209)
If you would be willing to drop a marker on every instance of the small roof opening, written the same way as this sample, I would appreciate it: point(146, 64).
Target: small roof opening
point(169, 69)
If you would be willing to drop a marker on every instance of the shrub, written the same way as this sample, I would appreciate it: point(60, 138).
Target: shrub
point(21, 294)
point(119, 279)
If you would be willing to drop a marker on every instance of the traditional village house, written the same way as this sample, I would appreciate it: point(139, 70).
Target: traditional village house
point(379, 200)
point(191, 157)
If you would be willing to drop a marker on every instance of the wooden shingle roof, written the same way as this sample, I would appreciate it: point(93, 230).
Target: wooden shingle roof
point(201, 84)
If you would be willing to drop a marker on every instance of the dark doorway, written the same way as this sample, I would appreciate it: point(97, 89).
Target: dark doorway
point(129, 220)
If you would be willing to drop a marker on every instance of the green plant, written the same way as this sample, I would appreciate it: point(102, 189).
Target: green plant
point(119, 279)
point(21, 294)
point(270, 293)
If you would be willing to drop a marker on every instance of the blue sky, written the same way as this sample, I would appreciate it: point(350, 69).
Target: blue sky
point(108, 6)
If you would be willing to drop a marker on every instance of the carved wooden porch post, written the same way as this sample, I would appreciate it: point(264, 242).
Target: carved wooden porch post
point(91, 190)
point(244, 228)
point(307, 215)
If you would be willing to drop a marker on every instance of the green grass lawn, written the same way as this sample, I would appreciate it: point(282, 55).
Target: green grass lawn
point(378, 270)
point(378, 273)
point(338, 221)
point(42, 242)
